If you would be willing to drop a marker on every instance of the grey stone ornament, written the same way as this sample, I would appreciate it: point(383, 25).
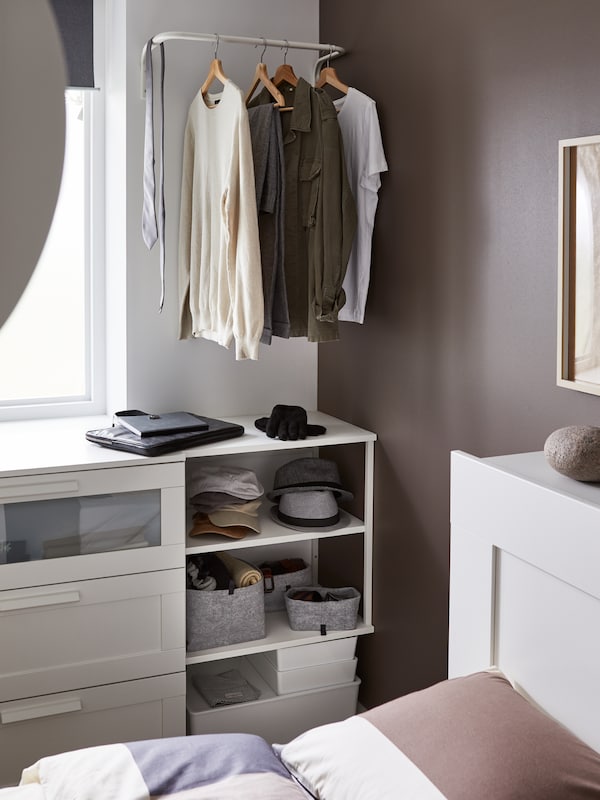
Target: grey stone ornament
point(574, 451)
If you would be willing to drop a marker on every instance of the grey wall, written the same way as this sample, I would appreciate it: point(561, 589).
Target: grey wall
point(458, 347)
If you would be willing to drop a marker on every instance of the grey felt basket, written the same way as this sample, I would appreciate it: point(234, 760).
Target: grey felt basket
point(275, 599)
point(328, 615)
point(218, 618)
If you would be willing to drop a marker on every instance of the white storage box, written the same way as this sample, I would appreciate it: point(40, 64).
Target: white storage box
point(277, 718)
point(306, 655)
point(303, 678)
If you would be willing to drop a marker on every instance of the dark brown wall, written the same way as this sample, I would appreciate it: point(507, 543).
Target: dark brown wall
point(458, 347)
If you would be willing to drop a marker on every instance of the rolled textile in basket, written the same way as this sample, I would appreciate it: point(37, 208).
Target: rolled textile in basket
point(243, 574)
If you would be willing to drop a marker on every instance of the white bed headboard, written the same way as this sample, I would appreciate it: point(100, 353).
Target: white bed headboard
point(525, 582)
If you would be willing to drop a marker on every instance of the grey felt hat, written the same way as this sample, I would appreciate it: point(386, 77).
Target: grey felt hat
point(309, 511)
point(313, 509)
point(308, 475)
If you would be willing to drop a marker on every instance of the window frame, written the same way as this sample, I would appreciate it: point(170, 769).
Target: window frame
point(93, 402)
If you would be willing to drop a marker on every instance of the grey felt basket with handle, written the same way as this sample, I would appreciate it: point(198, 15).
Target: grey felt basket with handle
point(328, 615)
point(221, 617)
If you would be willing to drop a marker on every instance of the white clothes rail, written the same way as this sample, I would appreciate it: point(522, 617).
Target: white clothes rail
point(330, 51)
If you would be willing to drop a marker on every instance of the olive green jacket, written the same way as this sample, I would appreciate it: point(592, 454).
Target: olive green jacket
point(319, 213)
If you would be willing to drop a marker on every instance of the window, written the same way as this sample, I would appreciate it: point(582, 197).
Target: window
point(51, 347)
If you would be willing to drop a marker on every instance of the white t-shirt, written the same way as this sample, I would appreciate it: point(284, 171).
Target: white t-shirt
point(365, 160)
point(220, 274)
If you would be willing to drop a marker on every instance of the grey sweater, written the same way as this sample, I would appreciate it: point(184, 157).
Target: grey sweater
point(267, 152)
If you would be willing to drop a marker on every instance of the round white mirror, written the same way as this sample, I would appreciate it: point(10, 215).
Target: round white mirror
point(32, 139)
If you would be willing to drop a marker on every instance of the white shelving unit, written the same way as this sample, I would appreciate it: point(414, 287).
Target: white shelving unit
point(279, 717)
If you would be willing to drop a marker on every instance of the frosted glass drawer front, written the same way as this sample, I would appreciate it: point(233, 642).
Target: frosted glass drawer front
point(75, 526)
point(85, 524)
point(87, 633)
point(42, 726)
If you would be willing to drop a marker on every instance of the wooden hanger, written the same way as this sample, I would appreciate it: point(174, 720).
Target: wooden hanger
point(285, 72)
point(329, 76)
point(262, 76)
point(215, 71)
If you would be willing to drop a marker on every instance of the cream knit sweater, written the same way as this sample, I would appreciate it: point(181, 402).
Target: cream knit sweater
point(220, 278)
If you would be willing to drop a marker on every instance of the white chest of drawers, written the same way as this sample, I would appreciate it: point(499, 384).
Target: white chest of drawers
point(92, 607)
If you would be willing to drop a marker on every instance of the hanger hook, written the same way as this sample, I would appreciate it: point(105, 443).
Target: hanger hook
point(329, 57)
point(285, 51)
point(262, 55)
point(216, 44)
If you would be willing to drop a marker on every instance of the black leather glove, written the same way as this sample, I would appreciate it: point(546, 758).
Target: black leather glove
point(288, 422)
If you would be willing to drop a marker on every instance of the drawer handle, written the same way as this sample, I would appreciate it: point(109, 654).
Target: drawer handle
point(22, 713)
point(32, 601)
point(15, 493)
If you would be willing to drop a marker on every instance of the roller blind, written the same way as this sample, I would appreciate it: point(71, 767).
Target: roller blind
point(75, 20)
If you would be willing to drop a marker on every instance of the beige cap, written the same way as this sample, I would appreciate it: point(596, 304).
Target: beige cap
point(234, 517)
point(202, 524)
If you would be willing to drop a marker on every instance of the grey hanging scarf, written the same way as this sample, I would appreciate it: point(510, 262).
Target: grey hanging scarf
point(153, 221)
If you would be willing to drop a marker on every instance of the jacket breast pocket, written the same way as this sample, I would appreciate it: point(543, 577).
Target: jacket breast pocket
point(309, 175)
